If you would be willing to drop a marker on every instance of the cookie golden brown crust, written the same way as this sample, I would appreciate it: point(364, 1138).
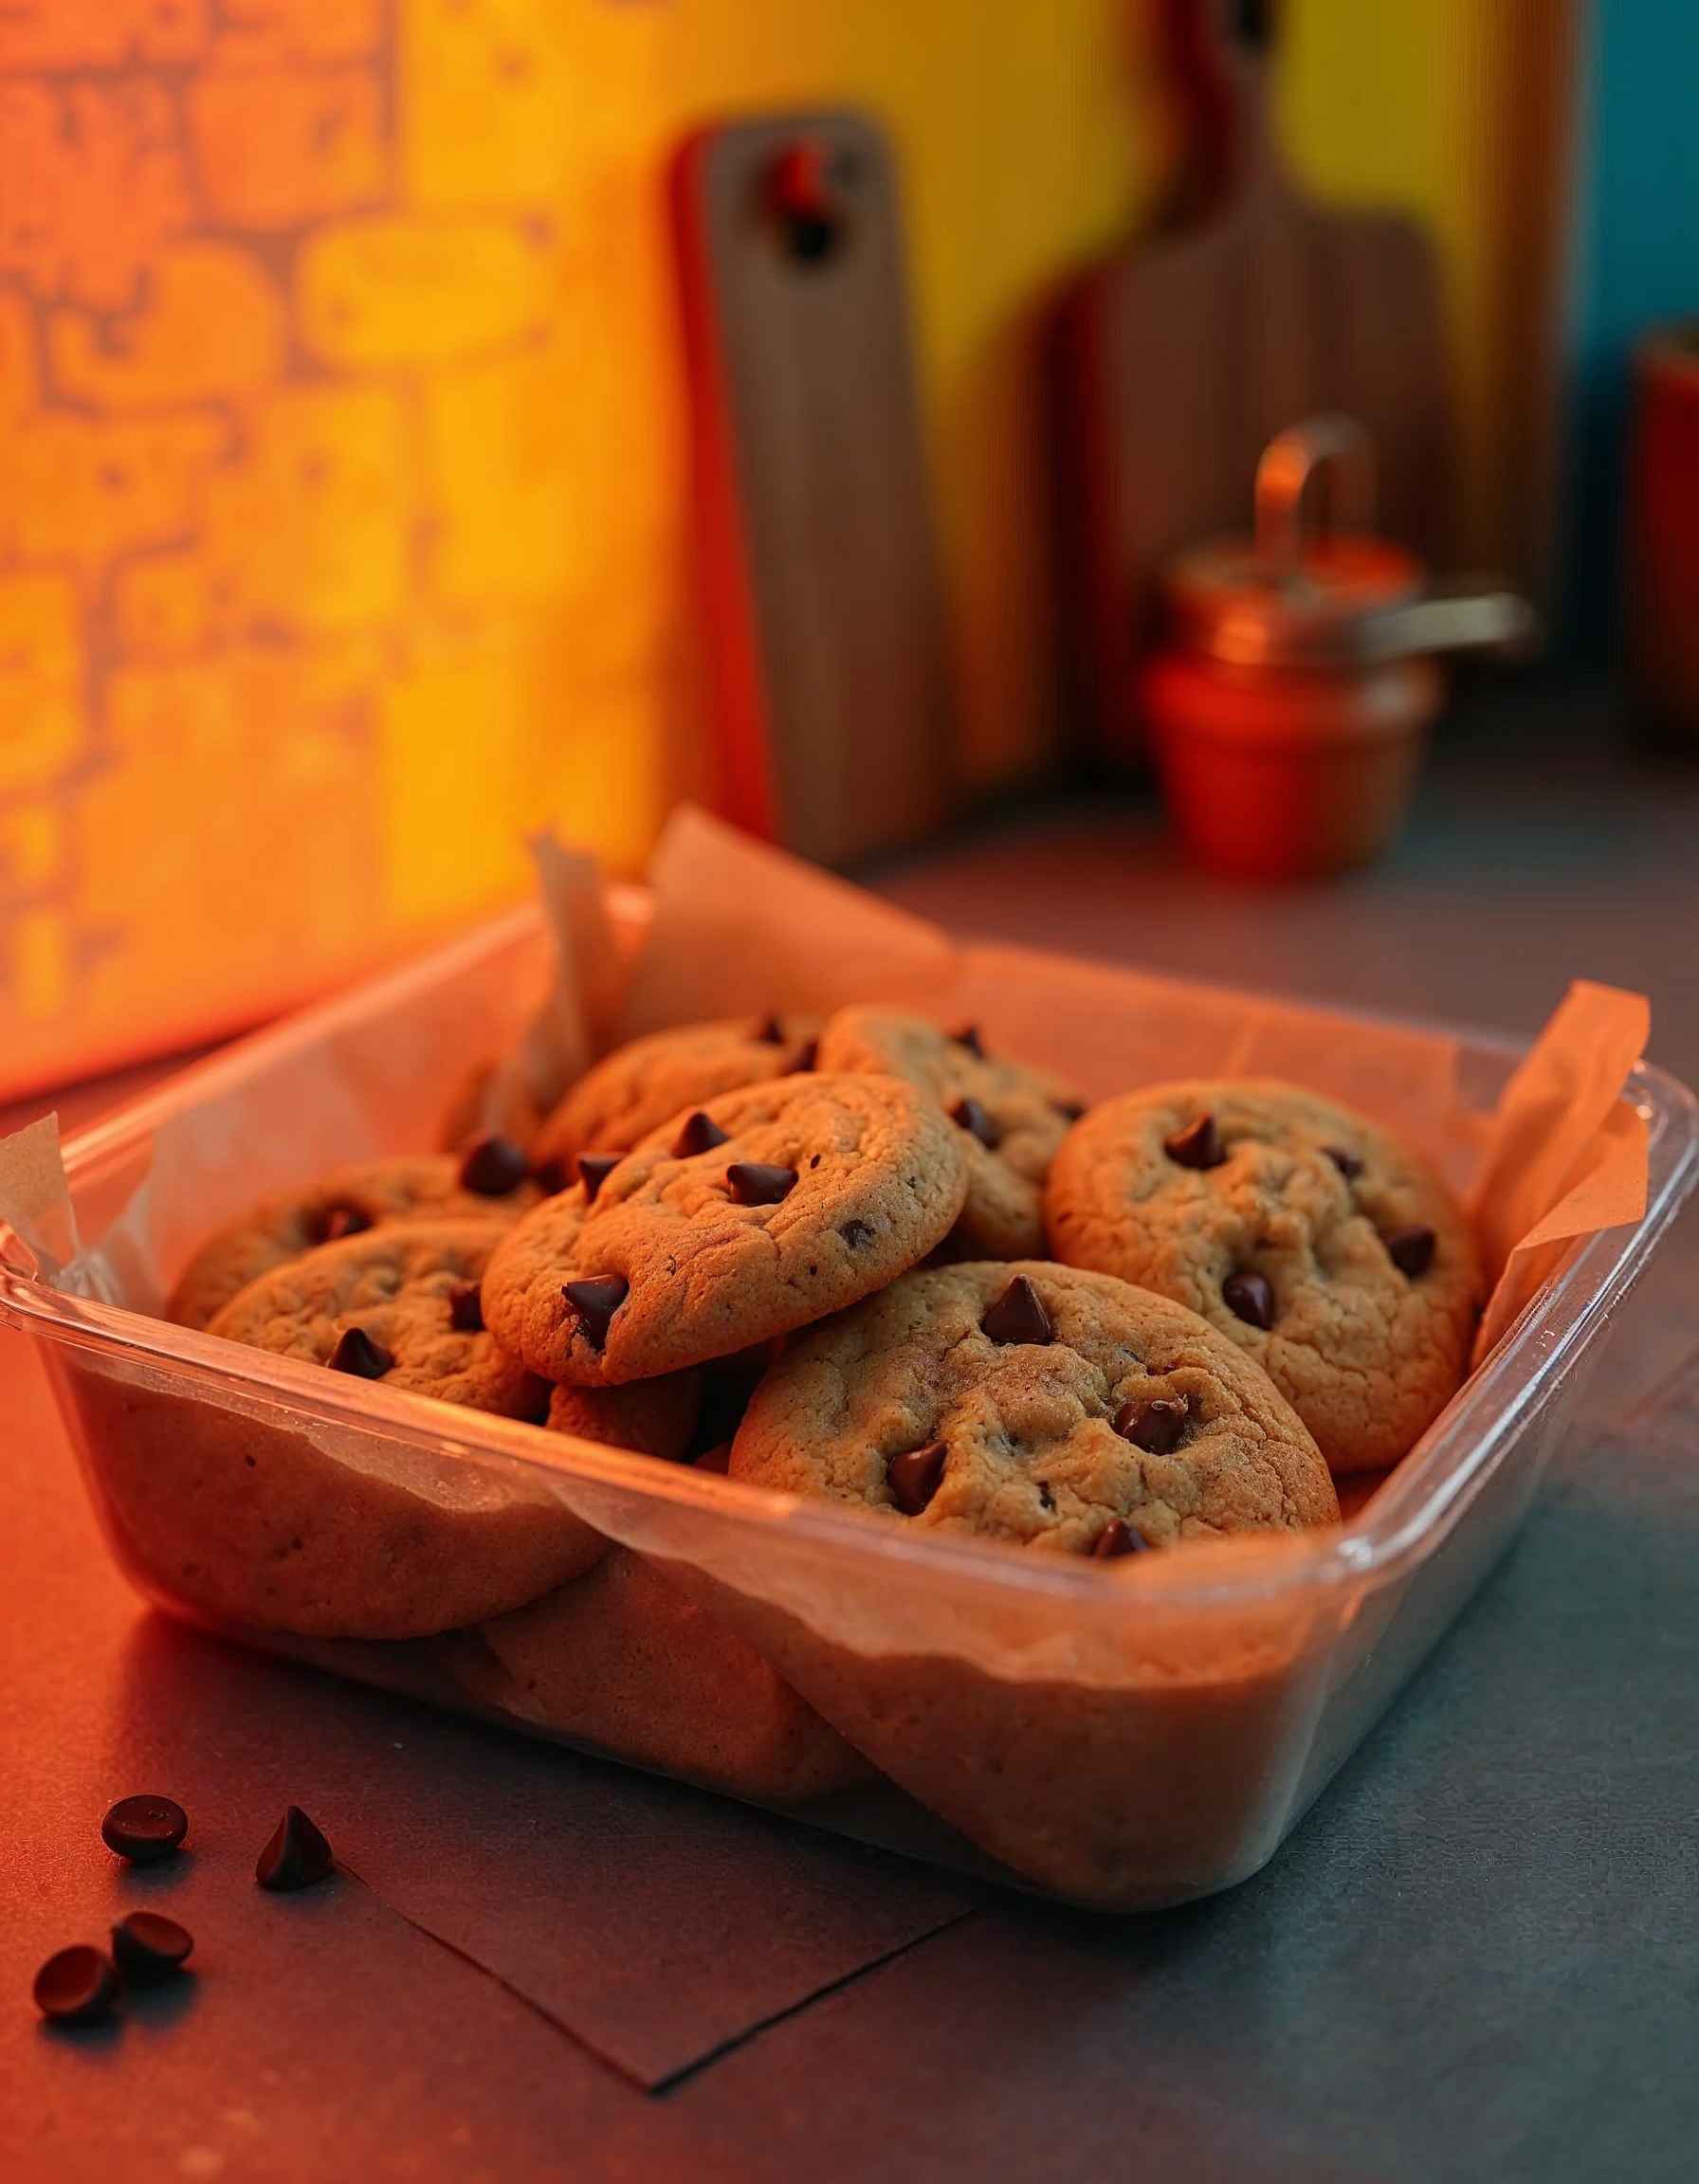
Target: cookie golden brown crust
point(653, 1417)
point(624, 1660)
point(816, 1191)
point(488, 1099)
point(1012, 1119)
point(398, 1305)
point(1038, 1405)
point(645, 1083)
point(1305, 1233)
point(351, 1200)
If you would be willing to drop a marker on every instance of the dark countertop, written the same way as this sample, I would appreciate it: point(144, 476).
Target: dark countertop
point(1477, 1957)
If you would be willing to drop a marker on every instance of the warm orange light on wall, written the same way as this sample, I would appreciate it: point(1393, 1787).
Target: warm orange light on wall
point(341, 448)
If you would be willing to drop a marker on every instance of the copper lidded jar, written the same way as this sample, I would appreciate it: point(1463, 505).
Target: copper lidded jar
point(1290, 706)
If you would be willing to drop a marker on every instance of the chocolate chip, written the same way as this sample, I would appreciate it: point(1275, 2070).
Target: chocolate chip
point(913, 1477)
point(977, 1122)
point(807, 1055)
point(341, 1218)
point(595, 1300)
point(701, 1134)
point(595, 1170)
point(147, 1948)
point(759, 1183)
point(358, 1353)
point(1411, 1250)
point(550, 1178)
point(493, 1166)
point(856, 1233)
point(1198, 1145)
point(297, 1855)
point(466, 1308)
point(968, 1035)
point(1349, 1166)
point(1069, 1110)
point(1155, 1425)
point(1116, 1539)
point(76, 1987)
point(1018, 1314)
point(144, 1830)
point(1250, 1297)
point(769, 1031)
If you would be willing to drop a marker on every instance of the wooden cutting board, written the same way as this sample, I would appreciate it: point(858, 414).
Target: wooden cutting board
point(1182, 354)
point(822, 603)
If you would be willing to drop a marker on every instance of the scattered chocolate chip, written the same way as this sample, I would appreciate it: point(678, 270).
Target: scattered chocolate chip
point(701, 1134)
point(977, 1122)
point(144, 1830)
point(595, 1170)
point(297, 1855)
point(1155, 1425)
point(1047, 1501)
point(1198, 1145)
point(466, 1308)
point(492, 1166)
point(1349, 1166)
point(759, 1183)
point(78, 1986)
point(1069, 1110)
point(550, 1178)
point(1250, 1297)
point(147, 1948)
point(1018, 1314)
point(807, 1055)
point(968, 1035)
point(1411, 1250)
point(358, 1353)
point(595, 1300)
point(769, 1031)
point(342, 1218)
point(1116, 1539)
point(913, 1477)
point(856, 1233)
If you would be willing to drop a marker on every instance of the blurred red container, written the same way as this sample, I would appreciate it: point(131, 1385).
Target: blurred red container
point(1663, 532)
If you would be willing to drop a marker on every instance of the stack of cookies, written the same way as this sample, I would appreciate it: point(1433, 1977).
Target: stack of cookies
point(869, 1261)
point(899, 1270)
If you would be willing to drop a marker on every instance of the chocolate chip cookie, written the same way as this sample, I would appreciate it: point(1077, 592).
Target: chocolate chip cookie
point(625, 1661)
point(1301, 1230)
point(1037, 1405)
point(400, 1304)
point(639, 1086)
point(1010, 1118)
point(653, 1417)
point(489, 1098)
point(762, 1210)
point(487, 1180)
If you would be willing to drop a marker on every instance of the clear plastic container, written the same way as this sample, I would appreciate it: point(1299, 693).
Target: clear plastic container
point(1122, 1740)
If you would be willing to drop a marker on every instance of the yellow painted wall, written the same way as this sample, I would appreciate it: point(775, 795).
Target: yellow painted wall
point(342, 434)
point(1390, 105)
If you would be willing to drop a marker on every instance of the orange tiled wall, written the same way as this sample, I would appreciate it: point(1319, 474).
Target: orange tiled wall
point(342, 438)
point(340, 445)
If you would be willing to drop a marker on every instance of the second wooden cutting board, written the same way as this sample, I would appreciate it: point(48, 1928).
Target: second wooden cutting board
point(1183, 354)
